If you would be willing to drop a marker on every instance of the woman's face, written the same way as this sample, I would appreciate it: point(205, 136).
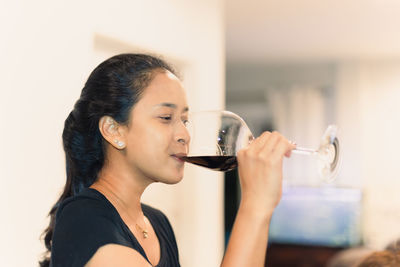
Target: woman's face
point(157, 133)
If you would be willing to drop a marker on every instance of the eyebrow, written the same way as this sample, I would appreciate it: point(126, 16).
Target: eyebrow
point(170, 105)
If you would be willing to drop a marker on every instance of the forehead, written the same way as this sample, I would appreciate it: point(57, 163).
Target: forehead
point(164, 88)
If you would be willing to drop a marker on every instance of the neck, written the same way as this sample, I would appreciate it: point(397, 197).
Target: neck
point(123, 191)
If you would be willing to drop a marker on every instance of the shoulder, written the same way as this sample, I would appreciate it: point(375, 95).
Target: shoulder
point(118, 256)
point(86, 211)
point(86, 215)
point(85, 205)
point(83, 224)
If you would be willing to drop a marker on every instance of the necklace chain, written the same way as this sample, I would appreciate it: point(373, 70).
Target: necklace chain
point(145, 233)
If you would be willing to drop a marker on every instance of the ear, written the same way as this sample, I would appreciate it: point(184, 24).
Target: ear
point(112, 131)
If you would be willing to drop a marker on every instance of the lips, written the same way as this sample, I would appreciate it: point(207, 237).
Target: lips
point(178, 156)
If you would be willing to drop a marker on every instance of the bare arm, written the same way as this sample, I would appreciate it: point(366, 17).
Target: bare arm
point(248, 242)
point(260, 172)
point(113, 255)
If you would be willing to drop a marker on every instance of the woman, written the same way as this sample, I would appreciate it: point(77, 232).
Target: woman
point(385, 258)
point(126, 131)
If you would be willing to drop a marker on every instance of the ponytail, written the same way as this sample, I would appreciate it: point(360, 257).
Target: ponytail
point(84, 159)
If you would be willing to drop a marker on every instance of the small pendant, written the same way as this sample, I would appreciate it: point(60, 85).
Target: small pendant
point(145, 234)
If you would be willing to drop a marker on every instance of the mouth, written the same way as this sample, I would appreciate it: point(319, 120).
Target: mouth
point(179, 156)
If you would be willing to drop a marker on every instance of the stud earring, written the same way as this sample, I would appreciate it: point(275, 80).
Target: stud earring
point(119, 143)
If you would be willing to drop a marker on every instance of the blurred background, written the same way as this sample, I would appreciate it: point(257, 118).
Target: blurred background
point(291, 66)
point(298, 66)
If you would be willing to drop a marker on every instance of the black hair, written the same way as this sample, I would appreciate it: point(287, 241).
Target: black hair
point(112, 89)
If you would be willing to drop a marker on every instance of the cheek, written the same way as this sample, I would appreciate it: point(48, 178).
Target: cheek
point(152, 142)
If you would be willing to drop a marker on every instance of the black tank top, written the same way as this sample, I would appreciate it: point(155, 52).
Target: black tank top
point(88, 221)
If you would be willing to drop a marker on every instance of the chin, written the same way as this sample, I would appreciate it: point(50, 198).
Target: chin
point(171, 177)
point(173, 180)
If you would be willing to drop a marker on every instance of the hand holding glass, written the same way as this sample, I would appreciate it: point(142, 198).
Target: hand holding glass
point(217, 136)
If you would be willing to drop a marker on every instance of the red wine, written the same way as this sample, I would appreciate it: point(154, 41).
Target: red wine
point(217, 163)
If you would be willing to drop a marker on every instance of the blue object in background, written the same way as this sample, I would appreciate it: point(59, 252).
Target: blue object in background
point(318, 216)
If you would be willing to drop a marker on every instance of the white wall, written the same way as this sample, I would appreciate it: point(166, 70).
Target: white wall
point(368, 112)
point(47, 50)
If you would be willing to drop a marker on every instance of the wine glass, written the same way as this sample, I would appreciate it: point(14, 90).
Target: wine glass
point(217, 136)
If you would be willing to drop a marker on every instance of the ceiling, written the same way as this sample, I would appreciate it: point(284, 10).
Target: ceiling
point(311, 30)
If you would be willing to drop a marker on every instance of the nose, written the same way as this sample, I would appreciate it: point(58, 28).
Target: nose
point(182, 134)
point(182, 141)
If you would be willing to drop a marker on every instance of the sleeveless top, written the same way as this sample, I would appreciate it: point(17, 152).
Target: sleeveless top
point(88, 221)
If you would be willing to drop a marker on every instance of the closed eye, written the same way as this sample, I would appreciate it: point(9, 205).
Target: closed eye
point(166, 118)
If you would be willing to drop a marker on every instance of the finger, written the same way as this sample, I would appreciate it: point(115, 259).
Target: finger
point(270, 143)
point(293, 146)
point(283, 148)
point(260, 141)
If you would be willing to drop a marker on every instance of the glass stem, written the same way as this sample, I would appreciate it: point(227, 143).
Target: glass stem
point(304, 151)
